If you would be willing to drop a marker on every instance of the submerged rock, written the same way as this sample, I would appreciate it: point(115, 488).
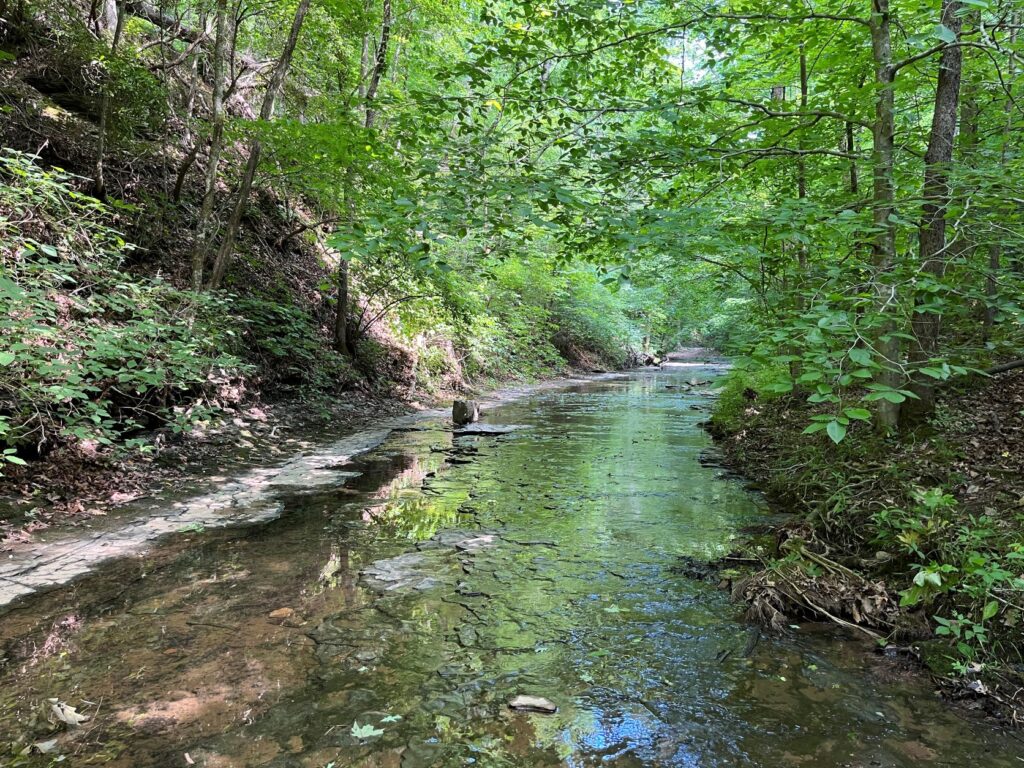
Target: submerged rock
point(401, 572)
point(533, 704)
point(488, 429)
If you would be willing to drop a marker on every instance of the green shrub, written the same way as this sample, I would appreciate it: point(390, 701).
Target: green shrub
point(734, 400)
point(87, 351)
point(287, 347)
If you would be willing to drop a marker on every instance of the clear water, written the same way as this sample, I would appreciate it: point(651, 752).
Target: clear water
point(450, 576)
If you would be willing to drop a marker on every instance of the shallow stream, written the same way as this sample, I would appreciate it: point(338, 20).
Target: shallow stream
point(387, 619)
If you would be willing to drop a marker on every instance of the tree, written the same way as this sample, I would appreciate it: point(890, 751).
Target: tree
point(227, 246)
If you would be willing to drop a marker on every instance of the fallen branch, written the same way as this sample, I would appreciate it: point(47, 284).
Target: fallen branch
point(1005, 367)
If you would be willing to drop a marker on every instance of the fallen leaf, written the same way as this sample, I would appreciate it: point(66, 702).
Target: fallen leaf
point(45, 747)
point(66, 713)
point(365, 731)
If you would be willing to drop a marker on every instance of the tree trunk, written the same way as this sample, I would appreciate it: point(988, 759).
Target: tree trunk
point(343, 341)
point(801, 163)
point(883, 247)
point(227, 247)
point(850, 144)
point(204, 233)
point(995, 249)
point(936, 195)
point(380, 64)
point(341, 311)
point(99, 182)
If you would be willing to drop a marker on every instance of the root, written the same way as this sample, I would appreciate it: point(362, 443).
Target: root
point(808, 585)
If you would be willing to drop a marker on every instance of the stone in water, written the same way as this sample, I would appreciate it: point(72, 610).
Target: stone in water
point(465, 412)
point(533, 704)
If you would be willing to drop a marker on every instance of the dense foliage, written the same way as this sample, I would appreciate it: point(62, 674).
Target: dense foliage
point(86, 349)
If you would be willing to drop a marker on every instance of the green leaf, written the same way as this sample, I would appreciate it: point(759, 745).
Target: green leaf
point(836, 431)
point(991, 609)
point(889, 395)
point(861, 414)
point(944, 33)
point(860, 356)
point(6, 358)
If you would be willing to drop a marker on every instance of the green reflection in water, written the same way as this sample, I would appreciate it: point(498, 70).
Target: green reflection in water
point(539, 562)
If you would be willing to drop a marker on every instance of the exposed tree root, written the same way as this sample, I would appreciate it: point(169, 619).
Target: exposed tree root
point(811, 586)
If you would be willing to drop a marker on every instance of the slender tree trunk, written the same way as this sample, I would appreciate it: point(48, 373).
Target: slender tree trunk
point(995, 249)
point(204, 233)
point(850, 144)
point(343, 341)
point(936, 194)
point(227, 246)
point(801, 166)
point(380, 64)
point(99, 182)
point(341, 335)
point(883, 247)
point(364, 65)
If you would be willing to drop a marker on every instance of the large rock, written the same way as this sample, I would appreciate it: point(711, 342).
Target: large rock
point(465, 412)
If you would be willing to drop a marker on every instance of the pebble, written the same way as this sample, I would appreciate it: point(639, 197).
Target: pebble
point(533, 704)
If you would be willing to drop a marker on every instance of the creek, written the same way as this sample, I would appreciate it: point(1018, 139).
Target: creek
point(388, 617)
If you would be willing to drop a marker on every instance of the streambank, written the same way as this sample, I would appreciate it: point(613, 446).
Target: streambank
point(914, 543)
point(229, 488)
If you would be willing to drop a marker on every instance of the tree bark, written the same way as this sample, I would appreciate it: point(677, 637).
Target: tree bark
point(204, 233)
point(995, 249)
point(343, 341)
point(801, 163)
point(854, 181)
point(99, 181)
point(227, 246)
point(380, 64)
point(883, 247)
point(341, 311)
point(936, 194)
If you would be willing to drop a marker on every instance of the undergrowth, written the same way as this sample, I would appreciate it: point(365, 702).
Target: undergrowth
point(89, 353)
point(901, 516)
point(96, 351)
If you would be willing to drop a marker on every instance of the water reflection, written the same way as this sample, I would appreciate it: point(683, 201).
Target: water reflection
point(539, 562)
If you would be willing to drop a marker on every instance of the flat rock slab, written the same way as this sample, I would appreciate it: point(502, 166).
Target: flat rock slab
point(253, 496)
point(250, 497)
point(488, 429)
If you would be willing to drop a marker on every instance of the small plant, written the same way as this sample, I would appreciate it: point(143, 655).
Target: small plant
point(89, 353)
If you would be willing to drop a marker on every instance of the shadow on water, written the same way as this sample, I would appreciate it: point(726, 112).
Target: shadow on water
point(387, 620)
